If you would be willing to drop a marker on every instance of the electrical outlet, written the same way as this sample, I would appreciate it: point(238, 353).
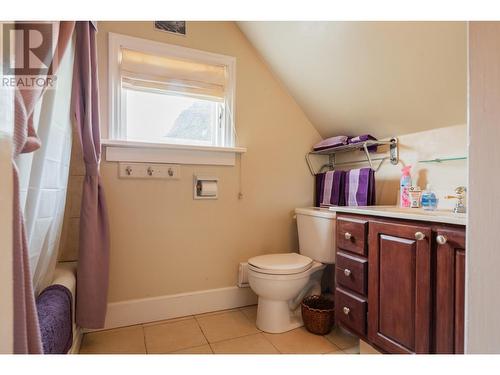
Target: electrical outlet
point(149, 170)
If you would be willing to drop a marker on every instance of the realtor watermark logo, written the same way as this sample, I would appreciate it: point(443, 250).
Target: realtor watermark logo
point(28, 58)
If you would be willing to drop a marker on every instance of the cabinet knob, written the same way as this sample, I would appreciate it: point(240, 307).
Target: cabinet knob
point(346, 310)
point(347, 272)
point(419, 236)
point(440, 239)
point(347, 235)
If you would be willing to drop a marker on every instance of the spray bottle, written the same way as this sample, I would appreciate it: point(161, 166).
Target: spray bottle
point(404, 187)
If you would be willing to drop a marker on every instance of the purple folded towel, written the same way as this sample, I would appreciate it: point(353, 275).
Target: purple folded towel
point(363, 138)
point(54, 307)
point(360, 187)
point(329, 188)
point(339, 140)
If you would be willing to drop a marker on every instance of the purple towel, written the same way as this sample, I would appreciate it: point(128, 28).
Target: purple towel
point(54, 306)
point(363, 138)
point(360, 187)
point(329, 188)
point(339, 140)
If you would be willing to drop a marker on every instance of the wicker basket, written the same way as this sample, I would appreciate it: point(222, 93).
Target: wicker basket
point(318, 314)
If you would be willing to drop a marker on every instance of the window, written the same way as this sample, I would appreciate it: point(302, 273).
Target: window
point(166, 94)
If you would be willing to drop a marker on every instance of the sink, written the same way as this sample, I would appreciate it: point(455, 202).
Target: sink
point(439, 216)
point(416, 211)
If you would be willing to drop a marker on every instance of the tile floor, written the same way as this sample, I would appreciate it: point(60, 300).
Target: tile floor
point(222, 332)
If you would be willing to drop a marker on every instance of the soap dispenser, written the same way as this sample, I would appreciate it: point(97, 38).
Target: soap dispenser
point(429, 200)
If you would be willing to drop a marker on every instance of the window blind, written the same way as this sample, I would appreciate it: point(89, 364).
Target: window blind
point(142, 71)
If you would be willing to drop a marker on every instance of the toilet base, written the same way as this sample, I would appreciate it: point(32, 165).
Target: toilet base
point(276, 317)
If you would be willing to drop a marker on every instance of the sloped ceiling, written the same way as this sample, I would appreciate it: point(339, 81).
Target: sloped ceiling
point(383, 78)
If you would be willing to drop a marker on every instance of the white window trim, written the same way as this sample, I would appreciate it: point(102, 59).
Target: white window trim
point(123, 150)
point(148, 152)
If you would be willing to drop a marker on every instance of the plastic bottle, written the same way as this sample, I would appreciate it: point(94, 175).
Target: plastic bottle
point(404, 186)
point(429, 200)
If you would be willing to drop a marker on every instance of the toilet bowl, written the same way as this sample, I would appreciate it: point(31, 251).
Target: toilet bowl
point(280, 291)
point(281, 281)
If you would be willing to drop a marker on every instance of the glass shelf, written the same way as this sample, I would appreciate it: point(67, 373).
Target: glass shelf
point(440, 160)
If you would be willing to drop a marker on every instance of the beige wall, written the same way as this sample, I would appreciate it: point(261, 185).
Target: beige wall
point(441, 143)
point(162, 241)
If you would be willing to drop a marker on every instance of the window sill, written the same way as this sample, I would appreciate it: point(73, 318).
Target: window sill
point(147, 152)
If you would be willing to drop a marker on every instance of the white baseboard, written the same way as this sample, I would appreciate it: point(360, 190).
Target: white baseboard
point(145, 310)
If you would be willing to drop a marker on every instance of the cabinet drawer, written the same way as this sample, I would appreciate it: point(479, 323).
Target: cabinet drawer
point(350, 311)
point(351, 272)
point(352, 234)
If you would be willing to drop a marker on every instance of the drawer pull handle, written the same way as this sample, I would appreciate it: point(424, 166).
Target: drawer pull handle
point(347, 272)
point(346, 310)
point(347, 235)
point(441, 239)
point(419, 236)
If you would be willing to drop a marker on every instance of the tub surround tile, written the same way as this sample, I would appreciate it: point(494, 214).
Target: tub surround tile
point(71, 236)
point(75, 192)
point(77, 165)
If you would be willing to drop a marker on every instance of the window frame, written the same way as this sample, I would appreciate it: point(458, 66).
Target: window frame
point(116, 111)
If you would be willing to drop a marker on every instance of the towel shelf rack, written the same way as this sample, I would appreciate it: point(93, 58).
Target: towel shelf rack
point(393, 154)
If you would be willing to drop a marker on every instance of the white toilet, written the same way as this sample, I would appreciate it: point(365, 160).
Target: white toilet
point(281, 281)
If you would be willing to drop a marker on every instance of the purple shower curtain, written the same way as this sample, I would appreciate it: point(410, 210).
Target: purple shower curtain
point(93, 255)
point(26, 330)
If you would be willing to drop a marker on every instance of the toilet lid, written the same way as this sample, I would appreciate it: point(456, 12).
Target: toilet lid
point(280, 264)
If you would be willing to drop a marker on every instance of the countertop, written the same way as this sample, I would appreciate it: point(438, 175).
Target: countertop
point(437, 216)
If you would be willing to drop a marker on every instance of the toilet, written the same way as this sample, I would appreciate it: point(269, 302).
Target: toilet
point(281, 281)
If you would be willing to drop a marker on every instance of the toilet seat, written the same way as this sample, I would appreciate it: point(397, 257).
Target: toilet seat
point(280, 264)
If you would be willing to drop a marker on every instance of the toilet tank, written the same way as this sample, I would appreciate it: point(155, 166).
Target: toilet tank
point(316, 228)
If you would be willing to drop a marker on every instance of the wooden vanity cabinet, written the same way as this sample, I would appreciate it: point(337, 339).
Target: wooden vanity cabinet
point(351, 274)
point(414, 295)
point(449, 299)
point(399, 289)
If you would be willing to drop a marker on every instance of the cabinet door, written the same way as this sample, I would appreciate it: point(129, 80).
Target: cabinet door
point(450, 291)
point(399, 290)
